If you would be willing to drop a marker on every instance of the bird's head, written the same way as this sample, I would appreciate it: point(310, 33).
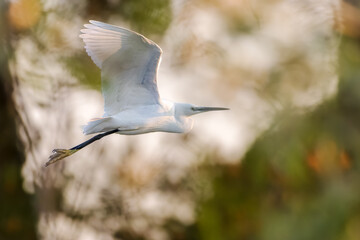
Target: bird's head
point(185, 109)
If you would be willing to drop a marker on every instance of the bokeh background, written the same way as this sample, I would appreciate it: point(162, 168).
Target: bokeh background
point(283, 163)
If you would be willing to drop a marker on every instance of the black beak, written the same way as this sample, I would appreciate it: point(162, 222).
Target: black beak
point(207, 109)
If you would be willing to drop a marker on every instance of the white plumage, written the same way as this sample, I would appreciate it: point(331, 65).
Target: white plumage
point(129, 63)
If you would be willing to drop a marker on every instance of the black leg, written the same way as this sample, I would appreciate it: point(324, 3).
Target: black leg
point(93, 139)
point(58, 154)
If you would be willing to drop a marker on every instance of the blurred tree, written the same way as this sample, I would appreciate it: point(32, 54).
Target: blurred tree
point(17, 218)
point(146, 17)
point(300, 180)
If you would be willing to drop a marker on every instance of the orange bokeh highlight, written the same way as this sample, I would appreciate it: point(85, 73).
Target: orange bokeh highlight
point(23, 14)
point(328, 158)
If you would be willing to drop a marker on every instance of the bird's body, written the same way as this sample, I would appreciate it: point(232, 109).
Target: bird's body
point(161, 117)
point(129, 64)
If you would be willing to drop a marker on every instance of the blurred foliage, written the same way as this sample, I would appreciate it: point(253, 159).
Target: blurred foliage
point(17, 213)
point(84, 70)
point(146, 17)
point(300, 180)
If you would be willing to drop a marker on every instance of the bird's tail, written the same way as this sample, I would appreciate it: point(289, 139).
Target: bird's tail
point(95, 125)
point(58, 154)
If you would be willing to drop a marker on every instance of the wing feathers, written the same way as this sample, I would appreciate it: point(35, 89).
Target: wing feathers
point(100, 43)
point(103, 40)
point(128, 63)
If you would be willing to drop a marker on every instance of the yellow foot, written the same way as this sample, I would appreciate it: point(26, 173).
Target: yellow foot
point(58, 154)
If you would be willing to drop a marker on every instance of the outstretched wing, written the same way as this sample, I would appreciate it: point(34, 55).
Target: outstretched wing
point(128, 63)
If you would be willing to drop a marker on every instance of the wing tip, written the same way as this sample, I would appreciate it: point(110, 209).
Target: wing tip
point(93, 21)
point(97, 23)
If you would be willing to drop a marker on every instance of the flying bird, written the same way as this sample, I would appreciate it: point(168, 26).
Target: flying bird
point(129, 64)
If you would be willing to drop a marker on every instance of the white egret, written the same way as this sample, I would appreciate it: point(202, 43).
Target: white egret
point(129, 64)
